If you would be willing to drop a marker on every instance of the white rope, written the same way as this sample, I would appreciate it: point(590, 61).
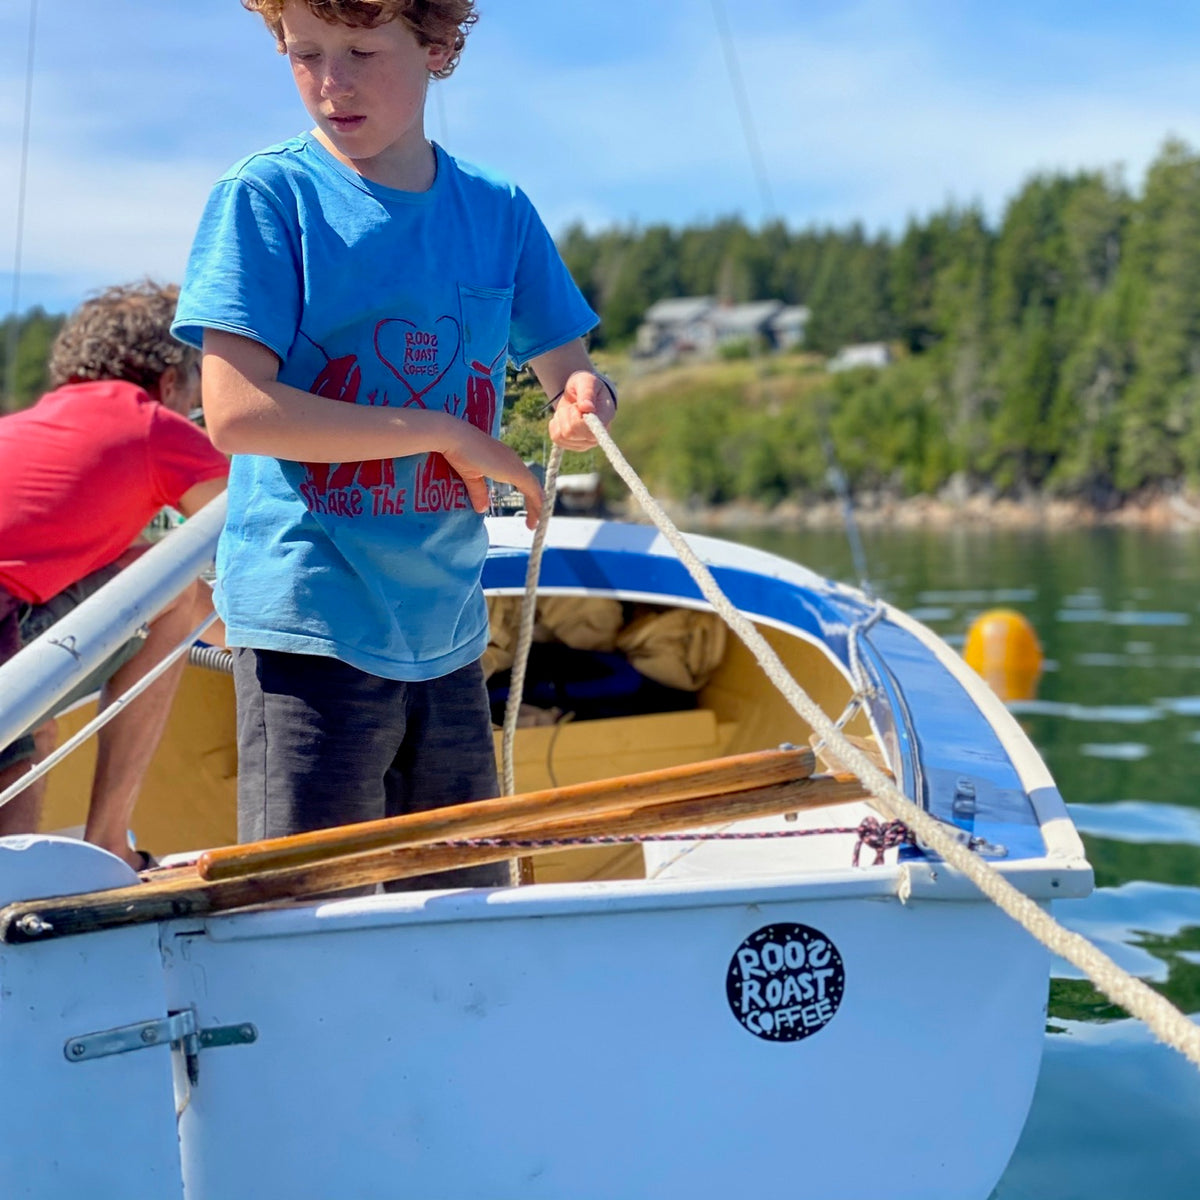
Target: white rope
point(516, 686)
point(101, 719)
point(1163, 1018)
point(864, 689)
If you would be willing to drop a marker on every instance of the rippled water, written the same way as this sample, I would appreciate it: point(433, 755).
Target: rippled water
point(1116, 1116)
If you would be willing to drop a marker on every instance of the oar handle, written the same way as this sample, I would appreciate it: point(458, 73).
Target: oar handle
point(181, 893)
point(506, 814)
point(644, 823)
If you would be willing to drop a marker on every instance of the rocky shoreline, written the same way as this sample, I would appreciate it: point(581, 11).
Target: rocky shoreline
point(1178, 511)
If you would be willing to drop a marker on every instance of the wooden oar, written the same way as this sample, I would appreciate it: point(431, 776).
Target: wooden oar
point(182, 893)
point(482, 818)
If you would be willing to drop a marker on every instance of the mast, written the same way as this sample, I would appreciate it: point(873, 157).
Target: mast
point(10, 361)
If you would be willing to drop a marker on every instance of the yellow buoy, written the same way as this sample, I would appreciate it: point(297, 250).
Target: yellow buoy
point(1003, 648)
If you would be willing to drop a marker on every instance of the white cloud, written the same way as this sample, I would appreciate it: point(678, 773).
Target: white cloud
point(870, 111)
point(850, 129)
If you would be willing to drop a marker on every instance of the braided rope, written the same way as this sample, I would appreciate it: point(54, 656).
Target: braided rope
point(869, 832)
point(516, 686)
point(1160, 1015)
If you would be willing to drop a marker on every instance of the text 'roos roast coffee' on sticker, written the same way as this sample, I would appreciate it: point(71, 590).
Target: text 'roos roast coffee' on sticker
point(785, 982)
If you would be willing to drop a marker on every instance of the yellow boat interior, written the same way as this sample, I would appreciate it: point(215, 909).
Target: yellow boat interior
point(726, 706)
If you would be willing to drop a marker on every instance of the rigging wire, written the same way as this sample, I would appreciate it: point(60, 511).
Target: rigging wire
point(742, 98)
point(440, 98)
point(102, 718)
point(10, 363)
point(841, 486)
point(835, 475)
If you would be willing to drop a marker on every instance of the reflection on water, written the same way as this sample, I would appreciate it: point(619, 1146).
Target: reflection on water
point(1129, 751)
point(1114, 1117)
point(1122, 714)
point(1138, 821)
point(1118, 614)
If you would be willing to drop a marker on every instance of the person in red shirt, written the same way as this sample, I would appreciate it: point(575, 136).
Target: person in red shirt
point(82, 473)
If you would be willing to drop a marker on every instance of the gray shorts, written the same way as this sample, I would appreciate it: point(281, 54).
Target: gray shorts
point(32, 620)
point(321, 743)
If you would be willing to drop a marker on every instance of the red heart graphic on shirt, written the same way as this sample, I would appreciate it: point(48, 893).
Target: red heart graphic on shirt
point(419, 358)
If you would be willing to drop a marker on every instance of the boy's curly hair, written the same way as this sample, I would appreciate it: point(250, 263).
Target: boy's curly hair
point(123, 332)
point(434, 22)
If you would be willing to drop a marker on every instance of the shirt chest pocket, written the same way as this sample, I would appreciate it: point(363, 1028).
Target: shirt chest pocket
point(486, 313)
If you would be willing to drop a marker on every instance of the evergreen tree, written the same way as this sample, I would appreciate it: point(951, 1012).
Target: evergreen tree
point(35, 334)
point(1158, 435)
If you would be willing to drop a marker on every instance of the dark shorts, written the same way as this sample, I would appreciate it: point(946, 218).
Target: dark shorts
point(321, 743)
point(22, 623)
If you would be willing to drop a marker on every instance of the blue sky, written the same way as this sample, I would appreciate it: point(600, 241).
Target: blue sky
point(615, 111)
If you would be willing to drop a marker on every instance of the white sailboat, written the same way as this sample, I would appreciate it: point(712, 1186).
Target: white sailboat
point(645, 1018)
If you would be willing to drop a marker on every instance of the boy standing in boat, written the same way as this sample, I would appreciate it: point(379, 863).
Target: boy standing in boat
point(357, 292)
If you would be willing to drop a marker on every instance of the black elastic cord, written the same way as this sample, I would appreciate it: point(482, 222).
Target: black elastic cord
point(548, 407)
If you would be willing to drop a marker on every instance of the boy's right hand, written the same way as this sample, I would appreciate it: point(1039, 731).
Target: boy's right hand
point(477, 457)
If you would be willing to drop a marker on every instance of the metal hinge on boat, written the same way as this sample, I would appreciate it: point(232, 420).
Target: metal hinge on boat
point(179, 1031)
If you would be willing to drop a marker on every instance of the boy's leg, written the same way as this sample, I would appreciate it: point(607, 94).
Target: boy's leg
point(23, 813)
point(315, 738)
point(20, 814)
point(126, 745)
point(447, 757)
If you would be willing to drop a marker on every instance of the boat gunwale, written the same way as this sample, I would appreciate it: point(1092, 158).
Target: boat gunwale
point(1040, 880)
point(1058, 830)
point(1060, 840)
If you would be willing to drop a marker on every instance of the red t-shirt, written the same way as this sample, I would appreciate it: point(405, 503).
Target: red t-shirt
point(82, 472)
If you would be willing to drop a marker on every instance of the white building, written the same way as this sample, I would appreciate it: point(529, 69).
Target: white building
point(865, 354)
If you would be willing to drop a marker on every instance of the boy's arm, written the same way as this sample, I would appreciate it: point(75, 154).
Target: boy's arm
point(567, 372)
point(248, 411)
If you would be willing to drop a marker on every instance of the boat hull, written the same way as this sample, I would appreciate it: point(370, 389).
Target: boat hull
point(473, 1046)
point(752, 1016)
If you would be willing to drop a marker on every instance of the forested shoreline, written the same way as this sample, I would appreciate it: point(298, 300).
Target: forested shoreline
point(1054, 355)
point(27, 340)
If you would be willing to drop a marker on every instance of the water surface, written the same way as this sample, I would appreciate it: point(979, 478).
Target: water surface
point(1116, 1115)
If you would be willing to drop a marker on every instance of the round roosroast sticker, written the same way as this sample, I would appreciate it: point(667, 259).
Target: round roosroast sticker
point(785, 982)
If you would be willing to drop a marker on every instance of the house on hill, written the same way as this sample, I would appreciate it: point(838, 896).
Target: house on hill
point(677, 326)
point(744, 324)
point(789, 326)
point(699, 326)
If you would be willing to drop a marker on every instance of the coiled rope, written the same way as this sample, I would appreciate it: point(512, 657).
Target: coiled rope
point(1164, 1020)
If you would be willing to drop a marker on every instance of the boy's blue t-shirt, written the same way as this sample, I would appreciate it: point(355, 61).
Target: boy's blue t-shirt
point(373, 296)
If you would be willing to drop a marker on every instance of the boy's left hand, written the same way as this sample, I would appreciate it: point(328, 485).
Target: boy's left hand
point(584, 393)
